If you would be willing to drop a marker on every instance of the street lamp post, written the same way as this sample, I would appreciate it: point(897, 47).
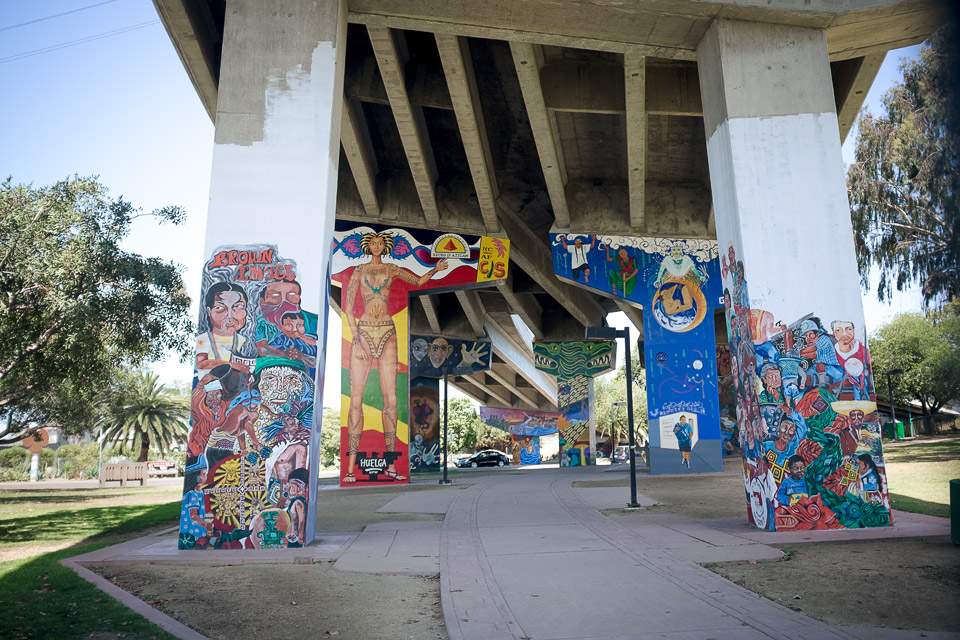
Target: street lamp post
point(610, 333)
point(893, 409)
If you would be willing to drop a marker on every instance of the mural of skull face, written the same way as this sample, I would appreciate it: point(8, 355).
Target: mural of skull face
point(419, 349)
point(280, 386)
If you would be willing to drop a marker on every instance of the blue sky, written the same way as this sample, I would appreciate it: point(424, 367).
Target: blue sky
point(121, 107)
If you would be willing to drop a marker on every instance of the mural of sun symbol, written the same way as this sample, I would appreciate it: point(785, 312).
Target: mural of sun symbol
point(698, 364)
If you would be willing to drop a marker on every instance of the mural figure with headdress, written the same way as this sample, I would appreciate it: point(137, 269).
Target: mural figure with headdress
point(375, 340)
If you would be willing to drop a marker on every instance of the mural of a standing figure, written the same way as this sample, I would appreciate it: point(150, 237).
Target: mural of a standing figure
point(375, 339)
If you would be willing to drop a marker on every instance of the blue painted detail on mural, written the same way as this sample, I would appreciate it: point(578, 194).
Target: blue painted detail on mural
point(678, 284)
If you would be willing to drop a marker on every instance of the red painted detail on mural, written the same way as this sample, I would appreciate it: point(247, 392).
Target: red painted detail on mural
point(234, 257)
point(807, 514)
point(809, 450)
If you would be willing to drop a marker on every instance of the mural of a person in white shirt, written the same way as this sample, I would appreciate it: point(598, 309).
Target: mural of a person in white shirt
point(579, 256)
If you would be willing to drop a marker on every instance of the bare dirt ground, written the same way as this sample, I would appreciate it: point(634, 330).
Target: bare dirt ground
point(899, 583)
point(296, 601)
point(288, 601)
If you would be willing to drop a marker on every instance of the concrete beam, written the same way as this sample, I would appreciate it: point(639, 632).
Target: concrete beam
point(507, 376)
point(473, 309)
point(531, 253)
point(465, 387)
point(635, 80)
point(430, 310)
point(198, 41)
point(462, 83)
point(590, 87)
point(528, 59)
point(355, 139)
point(521, 360)
point(524, 305)
point(410, 123)
point(851, 82)
point(674, 210)
point(634, 315)
point(480, 381)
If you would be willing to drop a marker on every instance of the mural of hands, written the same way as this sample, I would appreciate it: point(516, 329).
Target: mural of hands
point(473, 355)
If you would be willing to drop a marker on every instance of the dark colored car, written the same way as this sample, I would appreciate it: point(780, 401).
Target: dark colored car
point(488, 458)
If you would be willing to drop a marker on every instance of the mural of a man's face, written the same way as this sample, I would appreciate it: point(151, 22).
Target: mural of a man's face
point(796, 469)
point(419, 349)
point(280, 385)
point(857, 417)
point(811, 337)
point(773, 378)
point(787, 430)
point(277, 292)
point(578, 243)
point(228, 313)
point(844, 333)
point(439, 350)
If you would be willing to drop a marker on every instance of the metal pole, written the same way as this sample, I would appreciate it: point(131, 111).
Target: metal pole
point(633, 458)
point(893, 409)
point(100, 461)
point(446, 392)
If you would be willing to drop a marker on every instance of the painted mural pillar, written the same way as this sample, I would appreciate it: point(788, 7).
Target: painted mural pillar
point(251, 478)
point(805, 396)
point(575, 364)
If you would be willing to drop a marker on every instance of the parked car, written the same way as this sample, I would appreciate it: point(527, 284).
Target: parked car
point(621, 454)
point(486, 458)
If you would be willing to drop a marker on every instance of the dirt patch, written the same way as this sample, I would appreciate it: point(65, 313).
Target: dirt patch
point(288, 601)
point(696, 497)
point(902, 584)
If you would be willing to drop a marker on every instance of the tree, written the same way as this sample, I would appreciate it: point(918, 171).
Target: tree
point(905, 184)
point(142, 413)
point(927, 351)
point(75, 308)
point(612, 388)
point(330, 439)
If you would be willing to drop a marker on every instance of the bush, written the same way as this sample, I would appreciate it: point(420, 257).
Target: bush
point(15, 474)
point(14, 457)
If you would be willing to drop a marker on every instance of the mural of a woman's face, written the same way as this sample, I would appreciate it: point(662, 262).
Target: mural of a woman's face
point(377, 246)
point(228, 313)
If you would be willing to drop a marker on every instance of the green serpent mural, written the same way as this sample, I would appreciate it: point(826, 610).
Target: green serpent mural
point(574, 363)
point(568, 360)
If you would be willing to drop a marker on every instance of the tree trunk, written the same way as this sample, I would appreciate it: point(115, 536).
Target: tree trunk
point(144, 448)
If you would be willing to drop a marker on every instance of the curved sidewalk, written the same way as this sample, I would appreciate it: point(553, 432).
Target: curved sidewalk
point(533, 560)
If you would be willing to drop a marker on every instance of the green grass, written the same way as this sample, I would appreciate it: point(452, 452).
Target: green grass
point(41, 598)
point(918, 476)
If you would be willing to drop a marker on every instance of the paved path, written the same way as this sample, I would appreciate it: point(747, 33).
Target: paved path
point(523, 555)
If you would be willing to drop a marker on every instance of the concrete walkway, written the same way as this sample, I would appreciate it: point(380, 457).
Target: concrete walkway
point(523, 555)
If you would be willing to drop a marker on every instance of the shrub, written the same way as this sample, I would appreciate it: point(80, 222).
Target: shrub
point(14, 457)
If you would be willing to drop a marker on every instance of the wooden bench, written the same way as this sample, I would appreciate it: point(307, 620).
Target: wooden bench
point(123, 472)
point(162, 468)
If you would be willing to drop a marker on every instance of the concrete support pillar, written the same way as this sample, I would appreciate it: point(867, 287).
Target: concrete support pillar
point(269, 235)
point(792, 295)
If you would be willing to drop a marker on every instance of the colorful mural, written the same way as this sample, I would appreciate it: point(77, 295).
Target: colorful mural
point(677, 282)
point(433, 356)
point(425, 412)
point(729, 434)
point(806, 413)
point(377, 267)
point(251, 418)
point(525, 427)
point(574, 364)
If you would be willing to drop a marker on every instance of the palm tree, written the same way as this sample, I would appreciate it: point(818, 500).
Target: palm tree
point(143, 413)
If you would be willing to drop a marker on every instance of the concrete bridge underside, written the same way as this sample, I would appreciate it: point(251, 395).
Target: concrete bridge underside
point(520, 118)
